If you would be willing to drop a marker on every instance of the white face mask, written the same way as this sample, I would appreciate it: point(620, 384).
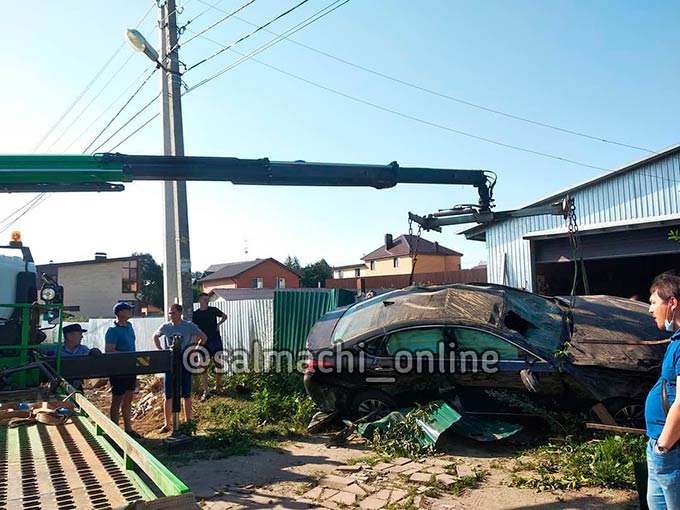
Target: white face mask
point(668, 324)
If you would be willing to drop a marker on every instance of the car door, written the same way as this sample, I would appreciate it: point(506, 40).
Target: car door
point(406, 366)
point(488, 375)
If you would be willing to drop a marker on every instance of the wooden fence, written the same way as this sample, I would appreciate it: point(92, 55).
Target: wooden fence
point(399, 281)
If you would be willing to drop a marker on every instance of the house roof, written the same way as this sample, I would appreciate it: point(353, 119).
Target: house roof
point(474, 232)
point(215, 267)
point(242, 294)
point(402, 246)
point(349, 266)
point(233, 269)
point(56, 265)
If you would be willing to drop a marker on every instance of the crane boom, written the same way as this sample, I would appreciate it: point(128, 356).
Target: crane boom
point(106, 172)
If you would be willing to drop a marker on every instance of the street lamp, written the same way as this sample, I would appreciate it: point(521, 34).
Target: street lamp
point(139, 43)
point(177, 274)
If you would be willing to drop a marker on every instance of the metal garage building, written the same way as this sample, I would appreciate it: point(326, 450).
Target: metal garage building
point(624, 219)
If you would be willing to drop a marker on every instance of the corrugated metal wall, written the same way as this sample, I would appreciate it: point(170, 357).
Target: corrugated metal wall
point(249, 322)
point(96, 332)
point(255, 328)
point(296, 311)
point(648, 192)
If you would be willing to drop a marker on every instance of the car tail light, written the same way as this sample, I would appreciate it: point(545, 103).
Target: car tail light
point(313, 364)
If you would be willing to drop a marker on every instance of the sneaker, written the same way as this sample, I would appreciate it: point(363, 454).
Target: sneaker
point(164, 429)
point(204, 397)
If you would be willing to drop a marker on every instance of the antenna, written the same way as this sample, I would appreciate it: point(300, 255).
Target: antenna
point(245, 248)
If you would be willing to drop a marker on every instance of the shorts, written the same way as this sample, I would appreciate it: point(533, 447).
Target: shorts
point(121, 384)
point(186, 384)
point(213, 346)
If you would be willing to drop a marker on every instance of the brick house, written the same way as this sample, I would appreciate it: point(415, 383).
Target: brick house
point(394, 258)
point(254, 274)
point(92, 287)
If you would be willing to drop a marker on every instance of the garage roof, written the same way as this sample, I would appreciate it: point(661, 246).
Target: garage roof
point(477, 231)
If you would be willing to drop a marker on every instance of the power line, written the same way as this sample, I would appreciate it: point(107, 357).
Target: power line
point(446, 96)
point(75, 119)
point(86, 89)
point(394, 112)
point(134, 133)
point(34, 202)
point(78, 98)
point(184, 27)
point(229, 15)
point(134, 94)
point(106, 85)
point(107, 108)
point(303, 24)
point(127, 123)
point(230, 45)
point(365, 102)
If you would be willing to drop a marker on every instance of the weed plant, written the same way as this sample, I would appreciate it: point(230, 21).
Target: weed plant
point(571, 465)
point(255, 409)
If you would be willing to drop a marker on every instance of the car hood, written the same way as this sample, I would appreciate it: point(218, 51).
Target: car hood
point(616, 333)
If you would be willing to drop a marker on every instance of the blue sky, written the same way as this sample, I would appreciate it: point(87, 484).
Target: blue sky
point(607, 68)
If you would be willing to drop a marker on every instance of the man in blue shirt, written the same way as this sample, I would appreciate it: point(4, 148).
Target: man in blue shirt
point(192, 338)
point(662, 409)
point(120, 337)
point(73, 335)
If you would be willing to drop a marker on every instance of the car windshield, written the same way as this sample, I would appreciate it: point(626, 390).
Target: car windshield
point(362, 317)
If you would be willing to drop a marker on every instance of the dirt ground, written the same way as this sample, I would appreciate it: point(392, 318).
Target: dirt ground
point(280, 477)
point(276, 478)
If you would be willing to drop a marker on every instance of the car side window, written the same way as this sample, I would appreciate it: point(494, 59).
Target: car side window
point(373, 347)
point(480, 342)
point(415, 340)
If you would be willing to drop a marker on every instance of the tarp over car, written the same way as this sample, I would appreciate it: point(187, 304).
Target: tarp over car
point(615, 332)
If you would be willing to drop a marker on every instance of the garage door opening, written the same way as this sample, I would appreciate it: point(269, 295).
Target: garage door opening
point(620, 261)
point(622, 276)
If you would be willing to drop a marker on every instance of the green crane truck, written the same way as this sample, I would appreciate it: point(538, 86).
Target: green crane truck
point(57, 450)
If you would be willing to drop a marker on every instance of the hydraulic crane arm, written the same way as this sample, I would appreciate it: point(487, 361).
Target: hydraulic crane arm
point(104, 172)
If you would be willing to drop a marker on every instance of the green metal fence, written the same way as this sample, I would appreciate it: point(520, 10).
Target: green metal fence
point(296, 311)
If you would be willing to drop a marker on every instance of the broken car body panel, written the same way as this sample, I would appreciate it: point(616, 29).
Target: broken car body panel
point(610, 352)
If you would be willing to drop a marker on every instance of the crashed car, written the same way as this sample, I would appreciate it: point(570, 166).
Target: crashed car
point(487, 349)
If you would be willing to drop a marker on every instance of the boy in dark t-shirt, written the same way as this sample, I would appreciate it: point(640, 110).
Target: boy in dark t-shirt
point(209, 318)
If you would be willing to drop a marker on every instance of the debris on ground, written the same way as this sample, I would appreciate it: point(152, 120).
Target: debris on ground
point(412, 432)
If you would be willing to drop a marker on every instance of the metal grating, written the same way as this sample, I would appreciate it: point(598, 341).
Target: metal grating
point(64, 467)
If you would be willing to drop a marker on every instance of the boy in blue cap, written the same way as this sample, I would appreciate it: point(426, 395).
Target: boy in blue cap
point(120, 337)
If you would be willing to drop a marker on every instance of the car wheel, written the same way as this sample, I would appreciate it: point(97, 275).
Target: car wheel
point(626, 413)
point(375, 403)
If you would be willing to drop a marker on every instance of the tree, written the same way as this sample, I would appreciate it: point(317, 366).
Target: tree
point(196, 288)
point(293, 264)
point(311, 274)
point(318, 272)
point(151, 274)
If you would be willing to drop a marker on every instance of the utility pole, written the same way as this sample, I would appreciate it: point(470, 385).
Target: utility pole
point(177, 271)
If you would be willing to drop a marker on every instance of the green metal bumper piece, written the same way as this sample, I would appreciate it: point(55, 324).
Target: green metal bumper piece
point(438, 417)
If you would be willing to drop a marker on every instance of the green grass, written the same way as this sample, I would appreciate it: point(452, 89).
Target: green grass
point(254, 410)
point(571, 465)
point(370, 460)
